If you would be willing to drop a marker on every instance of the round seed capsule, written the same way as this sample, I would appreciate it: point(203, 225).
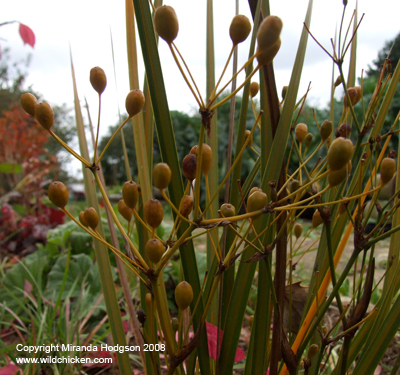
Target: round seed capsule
point(339, 153)
point(153, 212)
point(284, 91)
point(326, 130)
point(28, 103)
point(98, 79)
point(166, 23)
point(130, 194)
point(239, 29)
point(186, 205)
point(148, 300)
point(312, 351)
point(91, 217)
point(256, 201)
point(344, 131)
point(82, 219)
point(175, 324)
point(294, 185)
point(308, 139)
point(228, 210)
point(337, 177)
point(58, 194)
point(298, 230)
point(161, 176)
point(183, 295)
point(254, 88)
point(301, 130)
point(189, 166)
point(44, 115)
point(134, 102)
point(154, 250)
point(316, 219)
point(355, 95)
point(247, 134)
point(124, 210)
point(265, 56)
point(388, 169)
point(269, 32)
point(206, 158)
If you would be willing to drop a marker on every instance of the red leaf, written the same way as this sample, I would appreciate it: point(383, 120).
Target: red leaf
point(212, 343)
point(10, 369)
point(99, 354)
point(27, 34)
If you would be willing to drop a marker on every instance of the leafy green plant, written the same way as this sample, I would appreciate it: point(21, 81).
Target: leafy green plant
point(253, 230)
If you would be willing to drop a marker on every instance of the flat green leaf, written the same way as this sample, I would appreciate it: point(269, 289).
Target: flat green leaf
point(10, 168)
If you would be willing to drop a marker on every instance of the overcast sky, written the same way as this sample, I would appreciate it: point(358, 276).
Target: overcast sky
point(85, 26)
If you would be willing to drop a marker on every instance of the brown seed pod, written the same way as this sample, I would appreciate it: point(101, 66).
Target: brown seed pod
point(344, 131)
point(265, 56)
point(175, 324)
point(124, 210)
point(337, 177)
point(154, 250)
point(312, 351)
point(247, 134)
point(326, 130)
point(98, 79)
point(28, 103)
point(91, 217)
point(342, 207)
point(186, 205)
point(82, 219)
point(256, 201)
point(251, 320)
point(339, 153)
point(183, 295)
point(388, 169)
point(316, 219)
point(298, 230)
point(269, 32)
point(161, 176)
point(166, 23)
point(228, 210)
point(58, 194)
point(254, 189)
point(301, 130)
point(148, 299)
point(153, 212)
point(189, 166)
point(338, 81)
point(254, 88)
point(294, 185)
point(130, 194)
point(355, 95)
point(44, 115)
point(239, 29)
point(134, 102)
point(206, 158)
point(284, 91)
point(308, 139)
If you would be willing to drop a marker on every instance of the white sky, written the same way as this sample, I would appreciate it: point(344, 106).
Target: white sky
point(85, 26)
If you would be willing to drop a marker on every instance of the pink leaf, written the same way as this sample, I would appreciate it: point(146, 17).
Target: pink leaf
point(212, 337)
point(27, 288)
point(27, 35)
point(10, 369)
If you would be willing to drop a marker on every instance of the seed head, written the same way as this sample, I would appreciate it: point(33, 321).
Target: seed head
point(189, 166)
point(166, 23)
point(28, 103)
point(130, 194)
point(154, 250)
point(301, 130)
point(44, 115)
point(339, 153)
point(206, 158)
point(153, 212)
point(240, 29)
point(183, 295)
point(125, 211)
point(134, 102)
point(58, 194)
point(161, 176)
point(91, 217)
point(98, 79)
